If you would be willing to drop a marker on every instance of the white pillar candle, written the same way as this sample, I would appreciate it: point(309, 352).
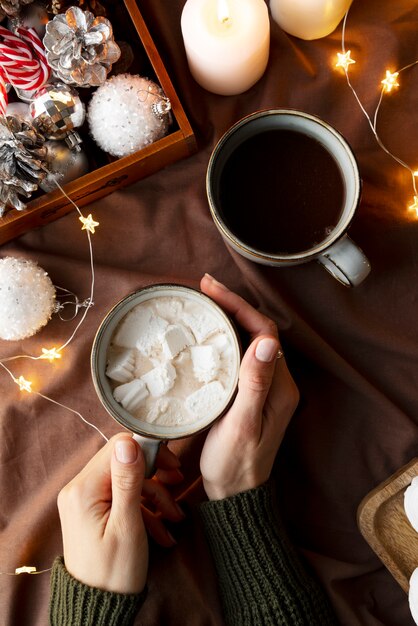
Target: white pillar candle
point(309, 19)
point(227, 43)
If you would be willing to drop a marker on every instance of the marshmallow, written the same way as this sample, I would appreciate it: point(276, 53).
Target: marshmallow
point(206, 362)
point(160, 379)
point(121, 365)
point(176, 338)
point(201, 323)
point(169, 309)
point(204, 401)
point(222, 343)
point(131, 395)
point(140, 329)
point(168, 412)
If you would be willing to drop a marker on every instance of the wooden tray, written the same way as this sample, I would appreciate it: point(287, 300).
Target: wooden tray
point(383, 523)
point(107, 173)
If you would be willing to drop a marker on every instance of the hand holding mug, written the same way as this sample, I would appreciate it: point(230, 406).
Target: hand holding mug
point(104, 536)
point(240, 448)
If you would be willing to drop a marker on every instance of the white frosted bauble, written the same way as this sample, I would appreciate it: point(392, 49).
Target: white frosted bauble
point(27, 298)
point(413, 595)
point(121, 114)
point(411, 503)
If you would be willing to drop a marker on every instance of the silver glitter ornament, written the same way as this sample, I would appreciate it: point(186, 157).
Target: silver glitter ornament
point(63, 164)
point(22, 159)
point(56, 110)
point(80, 48)
point(128, 113)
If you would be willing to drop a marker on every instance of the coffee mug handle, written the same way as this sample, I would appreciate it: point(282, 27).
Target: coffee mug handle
point(346, 262)
point(149, 449)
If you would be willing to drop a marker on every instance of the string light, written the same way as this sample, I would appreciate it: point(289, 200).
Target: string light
point(390, 81)
point(51, 355)
point(414, 206)
point(388, 84)
point(88, 223)
point(25, 569)
point(344, 60)
point(24, 385)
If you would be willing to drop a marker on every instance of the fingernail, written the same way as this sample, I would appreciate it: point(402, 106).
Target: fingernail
point(266, 350)
point(126, 451)
point(216, 282)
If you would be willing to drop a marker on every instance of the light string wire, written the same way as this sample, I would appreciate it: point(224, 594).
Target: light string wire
point(89, 226)
point(344, 61)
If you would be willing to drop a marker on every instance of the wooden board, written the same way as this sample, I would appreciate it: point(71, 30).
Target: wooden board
point(107, 173)
point(383, 523)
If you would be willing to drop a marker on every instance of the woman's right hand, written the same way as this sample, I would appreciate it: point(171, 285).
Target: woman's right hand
point(240, 448)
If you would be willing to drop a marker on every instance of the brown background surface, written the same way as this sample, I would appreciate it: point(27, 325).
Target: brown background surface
point(354, 353)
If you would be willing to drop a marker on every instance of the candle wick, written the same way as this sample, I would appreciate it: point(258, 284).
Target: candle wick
point(223, 12)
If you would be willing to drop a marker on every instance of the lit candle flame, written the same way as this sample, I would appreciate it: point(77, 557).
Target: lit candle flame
point(223, 11)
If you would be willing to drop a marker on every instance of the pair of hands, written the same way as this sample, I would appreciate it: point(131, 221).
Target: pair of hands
point(104, 529)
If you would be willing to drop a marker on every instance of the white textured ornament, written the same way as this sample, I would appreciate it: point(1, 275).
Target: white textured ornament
point(413, 595)
point(27, 298)
point(411, 503)
point(128, 113)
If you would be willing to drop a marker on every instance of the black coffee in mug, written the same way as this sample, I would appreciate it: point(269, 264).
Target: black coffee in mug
point(281, 191)
point(283, 187)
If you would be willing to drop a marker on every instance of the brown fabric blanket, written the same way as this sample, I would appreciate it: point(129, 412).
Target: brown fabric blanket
point(354, 353)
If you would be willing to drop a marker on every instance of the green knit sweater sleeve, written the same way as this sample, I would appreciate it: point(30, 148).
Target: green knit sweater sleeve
point(261, 577)
point(74, 604)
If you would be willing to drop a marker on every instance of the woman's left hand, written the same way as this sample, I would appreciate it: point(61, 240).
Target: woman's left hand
point(104, 536)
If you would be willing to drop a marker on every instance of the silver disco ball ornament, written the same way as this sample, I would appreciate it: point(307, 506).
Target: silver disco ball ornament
point(56, 110)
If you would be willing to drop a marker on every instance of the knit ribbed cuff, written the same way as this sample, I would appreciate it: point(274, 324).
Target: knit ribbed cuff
point(74, 604)
point(261, 577)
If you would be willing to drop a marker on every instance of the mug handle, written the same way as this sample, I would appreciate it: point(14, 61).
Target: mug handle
point(149, 449)
point(346, 262)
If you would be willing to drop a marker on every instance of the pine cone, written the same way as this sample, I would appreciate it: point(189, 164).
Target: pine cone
point(22, 159)
point(12, 7)
point(60, 6)
point(80, 47)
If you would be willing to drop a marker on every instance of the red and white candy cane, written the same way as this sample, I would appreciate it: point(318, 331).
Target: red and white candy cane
point(23, 62)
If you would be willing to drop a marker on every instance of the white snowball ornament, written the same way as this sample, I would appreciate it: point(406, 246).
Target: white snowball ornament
point(27, 298)
point(413, 595)
point(411, 503)
point(128, 113)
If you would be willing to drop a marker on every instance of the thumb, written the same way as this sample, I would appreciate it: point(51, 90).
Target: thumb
point(127, 475)
point(256, 374)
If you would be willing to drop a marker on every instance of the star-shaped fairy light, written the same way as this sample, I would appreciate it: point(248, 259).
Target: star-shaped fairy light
point(24, 385)
point(344, 60)
point(25, 569)
point(390, 81)
point(88, 223)
point(50, 354)
point(414, 205)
